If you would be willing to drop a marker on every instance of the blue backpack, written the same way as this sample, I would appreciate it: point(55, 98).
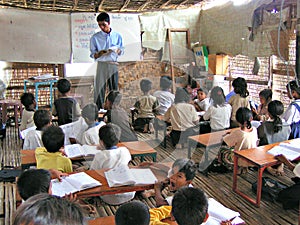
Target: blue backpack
point(295, 126)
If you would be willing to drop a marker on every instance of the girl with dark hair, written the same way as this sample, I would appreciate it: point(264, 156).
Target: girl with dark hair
point(261, 114)
point(243, 138)
point(239, 99)
point(292, 113)
point(274, 130)
point(219, 112)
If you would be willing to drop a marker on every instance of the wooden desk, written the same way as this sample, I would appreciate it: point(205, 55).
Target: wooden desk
point(260, 159)
point(139, 149)
point(136, 149)
point(208, 139)
point(110, 220)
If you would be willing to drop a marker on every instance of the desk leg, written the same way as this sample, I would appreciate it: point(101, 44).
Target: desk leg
point(259, 185)
point(51, 86)
point(189, 149)
point(36, 87)
point(235, 170)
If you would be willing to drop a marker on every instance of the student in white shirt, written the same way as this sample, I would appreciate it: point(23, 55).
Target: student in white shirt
point(90, 115)
point(33, 139)
point(110, 157)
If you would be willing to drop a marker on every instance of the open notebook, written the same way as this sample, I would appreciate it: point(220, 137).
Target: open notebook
point(73, 183)
point(290, 150)
point(122, 175)
point(218, 212)
point(77, 150)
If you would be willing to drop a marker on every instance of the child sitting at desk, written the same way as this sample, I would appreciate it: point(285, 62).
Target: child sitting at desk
point(146, 108)
point(243, 138)
point(110, 157)
point(44, 209)
point(261, 114)
point(190, 206)
point(33, 139)
point(201, 103)
point(117, 115)
point(219, 112)
point(90, 115)
point(27, 99)
point(182, 116)
point(50, 156)
point(180, 175)
point(164, 95)
point(65, 108)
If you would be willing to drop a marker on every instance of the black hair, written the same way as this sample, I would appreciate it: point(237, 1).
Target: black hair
point(110, 134)
point(32, 182)
point(181, 95)
point(217, 95)
point(202, 90)
point(114, 97)
point(275, 109)
point(165, 82)
point(240, 87)
point(189, 206)
point(27, 99)
point(193, 83)
point(63, 85)
point(44, 209)
point(146, 85)
point(244, 117)
point(134, 212)
point(53, 138)
point(266, 94)
point(187, 167)
point(103, 17)
point(41, 118)
point(293, 85)
point(90, 111)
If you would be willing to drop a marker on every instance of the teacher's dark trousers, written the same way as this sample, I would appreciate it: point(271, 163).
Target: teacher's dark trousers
point(106, 76)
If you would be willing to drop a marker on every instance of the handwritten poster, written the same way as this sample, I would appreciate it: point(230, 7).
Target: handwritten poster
point(84, 25)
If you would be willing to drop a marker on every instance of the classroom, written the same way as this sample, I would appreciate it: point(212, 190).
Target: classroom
point(245, 50)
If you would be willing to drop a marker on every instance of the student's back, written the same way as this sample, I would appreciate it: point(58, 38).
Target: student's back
point(117, 115)
point(111, 157)
point(27, 99)
point(65, 108)
point(274, 130)
point(49, 157)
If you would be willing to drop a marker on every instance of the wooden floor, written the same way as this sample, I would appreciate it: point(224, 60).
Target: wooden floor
point(218, 186)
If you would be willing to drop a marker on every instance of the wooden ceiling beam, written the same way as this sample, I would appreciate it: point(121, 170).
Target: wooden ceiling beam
point(54, 3)
point(126, 3)
point(182, 3)
point(100, 3)
point(39, 4)
point(25, 3)
point(142, 7)
point(165, 4)
point(75, 4)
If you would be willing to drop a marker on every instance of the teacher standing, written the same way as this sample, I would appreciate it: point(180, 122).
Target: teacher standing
point(105, 46)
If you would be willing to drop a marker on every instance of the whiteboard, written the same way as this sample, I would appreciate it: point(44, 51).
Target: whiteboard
point(84, 25)
point(32, 36)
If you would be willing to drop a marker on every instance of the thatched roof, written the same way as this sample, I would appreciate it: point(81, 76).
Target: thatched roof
point(102, 5)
